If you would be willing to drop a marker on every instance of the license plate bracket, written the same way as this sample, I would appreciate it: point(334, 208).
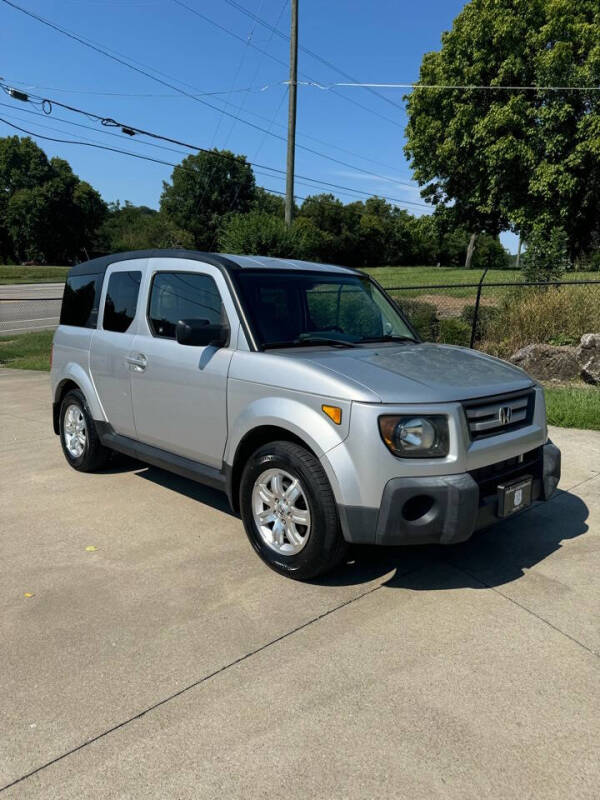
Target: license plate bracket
point(514, 495)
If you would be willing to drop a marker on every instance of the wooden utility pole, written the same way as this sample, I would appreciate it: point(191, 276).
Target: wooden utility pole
point(291, 141)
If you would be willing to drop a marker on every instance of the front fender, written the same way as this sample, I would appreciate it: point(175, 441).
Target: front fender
point(304, 418)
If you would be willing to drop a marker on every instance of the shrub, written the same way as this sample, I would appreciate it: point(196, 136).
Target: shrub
point(543, 316)
point(546, 257)
point(454, 330)
point(257, 233)
point(423, 317)
point(485, 317)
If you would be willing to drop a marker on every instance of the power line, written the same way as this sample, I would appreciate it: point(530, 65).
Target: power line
point(239, 67)
point(309, 52)
point(279, 61)
point(109, 122)
point(110, 149)
point(95, 92)
point(256, 71)
point(123, 62)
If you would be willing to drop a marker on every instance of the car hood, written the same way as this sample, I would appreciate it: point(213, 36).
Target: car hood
point(419, 373)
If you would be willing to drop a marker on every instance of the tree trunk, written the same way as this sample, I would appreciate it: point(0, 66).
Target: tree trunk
point(518, 264)
point(470, 251)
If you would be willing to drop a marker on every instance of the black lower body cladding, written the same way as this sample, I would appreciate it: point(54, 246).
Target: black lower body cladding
point(446, 509)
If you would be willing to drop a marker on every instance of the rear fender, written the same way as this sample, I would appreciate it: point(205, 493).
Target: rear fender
point(74, 372)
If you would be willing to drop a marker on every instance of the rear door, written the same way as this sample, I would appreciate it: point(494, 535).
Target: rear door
point(180, 396)
point(111, 352)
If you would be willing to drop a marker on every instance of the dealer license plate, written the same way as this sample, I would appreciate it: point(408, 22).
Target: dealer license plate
point(514, 496)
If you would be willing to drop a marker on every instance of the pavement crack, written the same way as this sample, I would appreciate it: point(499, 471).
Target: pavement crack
point(523, 607)
point(197, 683)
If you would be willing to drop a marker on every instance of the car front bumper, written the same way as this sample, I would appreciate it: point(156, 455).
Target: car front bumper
point(447, 509)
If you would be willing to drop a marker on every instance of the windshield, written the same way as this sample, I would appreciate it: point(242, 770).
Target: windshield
point(298, 309)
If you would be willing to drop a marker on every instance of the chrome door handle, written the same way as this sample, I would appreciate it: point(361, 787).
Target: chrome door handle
point(138, 361)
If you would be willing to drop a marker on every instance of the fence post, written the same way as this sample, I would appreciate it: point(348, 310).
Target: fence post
point(476, 309)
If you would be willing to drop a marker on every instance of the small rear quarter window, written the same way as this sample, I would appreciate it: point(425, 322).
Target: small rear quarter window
point(121, 300)
point(80, 301)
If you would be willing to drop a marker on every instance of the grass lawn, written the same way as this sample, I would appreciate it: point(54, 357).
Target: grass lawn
point(16, 274)
point(423, 276)
point(26, 350)
point(573, 406)
point(415, 276)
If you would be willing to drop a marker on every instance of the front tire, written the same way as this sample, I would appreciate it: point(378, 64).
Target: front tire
point(289, 512)
point(78, 437)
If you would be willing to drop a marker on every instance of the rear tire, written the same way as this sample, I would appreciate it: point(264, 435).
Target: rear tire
point(289, 511)
point(78, 437)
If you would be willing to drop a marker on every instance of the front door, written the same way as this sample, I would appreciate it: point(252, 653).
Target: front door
point(179, 397)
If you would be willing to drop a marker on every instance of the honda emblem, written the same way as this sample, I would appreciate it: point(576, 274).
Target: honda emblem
point(505, 415)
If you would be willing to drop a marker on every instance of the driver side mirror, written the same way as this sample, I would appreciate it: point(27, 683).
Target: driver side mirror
point(201, 333)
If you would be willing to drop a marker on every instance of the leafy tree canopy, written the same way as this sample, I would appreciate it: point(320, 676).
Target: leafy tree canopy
point(205, 187)
point(48, 214)
point(513, 159)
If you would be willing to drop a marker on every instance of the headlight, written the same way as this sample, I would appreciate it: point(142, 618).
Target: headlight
point(415, 437)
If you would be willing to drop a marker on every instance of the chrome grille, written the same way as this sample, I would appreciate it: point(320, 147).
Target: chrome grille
point(491, 416)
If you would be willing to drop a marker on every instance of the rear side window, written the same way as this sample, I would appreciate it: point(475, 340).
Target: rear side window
point(183, 295)
point(121, 300)
point(80, 301)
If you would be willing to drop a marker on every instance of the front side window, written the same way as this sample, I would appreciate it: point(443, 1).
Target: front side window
point(121, 300)
point(80, 301)
point(183, 296)
point(293, 308)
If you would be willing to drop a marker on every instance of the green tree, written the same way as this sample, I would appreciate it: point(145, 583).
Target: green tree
point(513, 159)
point(546, 256)
point(131, 227)
point(205, 187)
point(54, 220)
point(268, 202)
point(258, 233)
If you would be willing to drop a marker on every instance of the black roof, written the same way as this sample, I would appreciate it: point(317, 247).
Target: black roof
point(225, 262)
point(98, 266)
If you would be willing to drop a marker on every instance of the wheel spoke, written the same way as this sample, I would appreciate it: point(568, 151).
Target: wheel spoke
point(266, 495)
point(292, 534)
point(266, 516)
point(300, 516)
point(277, 485)
point(292, 493)
point(278, 531)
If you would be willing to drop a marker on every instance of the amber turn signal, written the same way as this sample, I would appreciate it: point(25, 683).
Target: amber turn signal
point(334, 413)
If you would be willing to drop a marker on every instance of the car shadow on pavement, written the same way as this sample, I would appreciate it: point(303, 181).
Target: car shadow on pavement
point(195, 491)
point(492, 557)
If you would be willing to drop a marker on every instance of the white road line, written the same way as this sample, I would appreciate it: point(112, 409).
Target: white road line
point(25, 330)
point(33, 319)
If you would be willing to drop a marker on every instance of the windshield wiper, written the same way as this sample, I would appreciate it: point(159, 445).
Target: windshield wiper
point(388, 337)
point(306, 340)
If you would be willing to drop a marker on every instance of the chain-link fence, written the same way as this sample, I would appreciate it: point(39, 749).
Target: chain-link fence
point(501, 318)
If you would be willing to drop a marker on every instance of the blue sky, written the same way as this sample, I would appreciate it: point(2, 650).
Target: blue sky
point(381, 41)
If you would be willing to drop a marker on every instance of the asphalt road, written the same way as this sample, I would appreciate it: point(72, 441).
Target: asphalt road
point(29, 307)
point(146, 652)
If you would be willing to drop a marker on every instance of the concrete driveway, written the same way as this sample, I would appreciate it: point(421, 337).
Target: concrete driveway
point(145, 652)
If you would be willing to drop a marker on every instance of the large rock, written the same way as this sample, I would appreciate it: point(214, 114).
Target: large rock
point(588, 357)
point(547, 363)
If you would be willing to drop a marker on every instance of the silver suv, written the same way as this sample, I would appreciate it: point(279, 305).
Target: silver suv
point(300, 390)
